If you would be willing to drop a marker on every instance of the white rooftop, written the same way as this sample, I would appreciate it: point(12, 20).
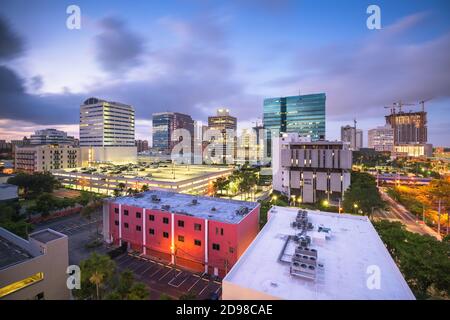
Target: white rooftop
point(346, 257)
point(180, 203)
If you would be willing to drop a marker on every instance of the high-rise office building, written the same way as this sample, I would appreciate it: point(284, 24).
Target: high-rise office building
point(106, 124)
point(303, 114)
point(142, 145)
point(107, 131)
point(164, 125)
point(227, 125)
point(381, 139)
point(51, 136)
point(353, 136)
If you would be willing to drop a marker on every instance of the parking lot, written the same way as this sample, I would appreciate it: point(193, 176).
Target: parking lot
point(80, 231)
point(73, 224)
point(168, 279)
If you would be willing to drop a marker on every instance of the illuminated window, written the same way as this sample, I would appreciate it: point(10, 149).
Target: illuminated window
point(13, 287)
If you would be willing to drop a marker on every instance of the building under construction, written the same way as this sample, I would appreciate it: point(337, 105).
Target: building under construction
point(409, 127)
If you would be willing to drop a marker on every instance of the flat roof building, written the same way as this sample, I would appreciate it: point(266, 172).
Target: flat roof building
point(309, 172)
point(35, 268)
point(41, 158)
point(193, 179)
point(313, 255)
point(205, 234)
point(51, 136)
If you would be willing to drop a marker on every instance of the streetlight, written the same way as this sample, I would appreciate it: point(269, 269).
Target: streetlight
point(355, 205)
point(325, 203)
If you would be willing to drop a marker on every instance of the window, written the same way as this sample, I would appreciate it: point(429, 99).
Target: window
point(116, 222)
point(39, 296)
point(151, 217)
point(216, 246)
point(181, 223)
point(125, 212)
point(197, 242)
point(231, 250)
point(151, 231)
point(126, 225)
point(138, 215)
point(138, 228)
point(165, 234)
point(116, 210)
point(181, 238)
point(166, 220)
point(197, 227)
point(221, 231)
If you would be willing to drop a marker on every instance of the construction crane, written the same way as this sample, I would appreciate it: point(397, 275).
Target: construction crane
point(400, 104)
point(422, 103)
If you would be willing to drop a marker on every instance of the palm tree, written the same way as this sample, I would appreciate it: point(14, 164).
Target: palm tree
point(145, 188)
point(121, 187)
point(96, 279)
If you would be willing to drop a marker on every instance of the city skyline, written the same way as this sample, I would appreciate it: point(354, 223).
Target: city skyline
point(172, 57)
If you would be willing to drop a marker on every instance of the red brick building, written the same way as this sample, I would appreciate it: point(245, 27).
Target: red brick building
point(200, 233)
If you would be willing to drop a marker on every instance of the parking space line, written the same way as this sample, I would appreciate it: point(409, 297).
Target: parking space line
point(200, 293)
point(148, 268)
point(157, 271)
point(194, 284)
point(170, 270)
point(142, 265)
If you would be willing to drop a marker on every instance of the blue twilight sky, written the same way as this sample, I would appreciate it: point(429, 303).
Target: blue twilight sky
point(194, 56)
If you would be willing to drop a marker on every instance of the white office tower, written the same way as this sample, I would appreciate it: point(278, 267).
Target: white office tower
point(107, 132)
point(310, 171)
point(381, 138)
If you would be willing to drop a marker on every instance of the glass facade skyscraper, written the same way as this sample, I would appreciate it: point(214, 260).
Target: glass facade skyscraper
point(164, 124)
point(304, 114)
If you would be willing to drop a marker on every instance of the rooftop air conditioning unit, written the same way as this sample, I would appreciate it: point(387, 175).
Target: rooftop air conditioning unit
point(194, 201)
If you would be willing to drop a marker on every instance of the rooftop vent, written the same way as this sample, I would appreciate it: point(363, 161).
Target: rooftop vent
point(242, 211)
point(166, 207)
point(155, 198)
point(194, 201)
point(213, 209)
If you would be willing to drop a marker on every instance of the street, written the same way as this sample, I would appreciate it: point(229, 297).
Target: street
point(397, 212)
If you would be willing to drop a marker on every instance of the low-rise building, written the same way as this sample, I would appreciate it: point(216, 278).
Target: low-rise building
point(43, 158)
point(34, 268)
point(310, 171)
point(313, 255)
point(178, 178)
point(413, 150)
point(8, 192)
point(200, 233)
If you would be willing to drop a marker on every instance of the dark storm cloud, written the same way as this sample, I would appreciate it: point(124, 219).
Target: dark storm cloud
point(11, 45)
point(117, 48)
point(16, 103)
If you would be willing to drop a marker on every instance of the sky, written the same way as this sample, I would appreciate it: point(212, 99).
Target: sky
point(194, 56)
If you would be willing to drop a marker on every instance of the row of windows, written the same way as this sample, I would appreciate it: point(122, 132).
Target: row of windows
point(215, 246)
point(165, 220)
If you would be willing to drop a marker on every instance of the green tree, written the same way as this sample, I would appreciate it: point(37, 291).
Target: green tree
point(423, 260)
point(362, 195)
point(95, 264)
